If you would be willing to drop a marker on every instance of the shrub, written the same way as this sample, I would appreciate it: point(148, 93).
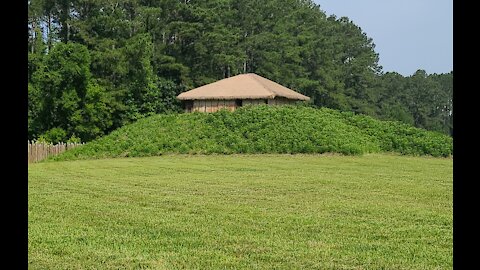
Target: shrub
point(264, 129)
point(54, 136)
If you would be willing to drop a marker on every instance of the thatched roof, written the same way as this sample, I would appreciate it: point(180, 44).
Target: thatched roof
point(243, 86)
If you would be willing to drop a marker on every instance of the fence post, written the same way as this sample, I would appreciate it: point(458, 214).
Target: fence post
point(38, 151)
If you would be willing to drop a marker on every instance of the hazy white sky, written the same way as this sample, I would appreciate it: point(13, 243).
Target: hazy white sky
point(408, 34)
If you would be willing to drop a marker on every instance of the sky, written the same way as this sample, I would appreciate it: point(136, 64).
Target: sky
point(408, 34)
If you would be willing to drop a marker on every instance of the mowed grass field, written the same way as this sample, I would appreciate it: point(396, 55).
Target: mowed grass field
point(375, 211)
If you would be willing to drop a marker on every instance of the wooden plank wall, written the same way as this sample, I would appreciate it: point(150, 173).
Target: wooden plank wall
point(280, 101)
point(39, 151)
point(254, 102)
point(215, 104)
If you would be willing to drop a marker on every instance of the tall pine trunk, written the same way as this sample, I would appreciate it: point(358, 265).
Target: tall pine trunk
point(49, 33)
point(64, 16)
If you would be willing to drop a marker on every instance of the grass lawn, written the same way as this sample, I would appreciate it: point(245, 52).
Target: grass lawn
point(374, 211)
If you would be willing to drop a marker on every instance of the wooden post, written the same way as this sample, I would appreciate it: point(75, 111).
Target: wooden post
point(208, 106)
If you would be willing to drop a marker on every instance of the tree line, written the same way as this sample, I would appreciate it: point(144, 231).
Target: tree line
point(96, 65)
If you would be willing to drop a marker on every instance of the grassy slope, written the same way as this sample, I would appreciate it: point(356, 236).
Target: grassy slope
point(242, 212)
point(264, 129)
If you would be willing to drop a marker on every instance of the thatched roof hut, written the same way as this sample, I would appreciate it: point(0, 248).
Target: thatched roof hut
point(237, 91)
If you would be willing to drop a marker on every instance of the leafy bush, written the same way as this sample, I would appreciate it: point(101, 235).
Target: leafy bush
point(264, 129)
point(54, 135)
point(74, 139)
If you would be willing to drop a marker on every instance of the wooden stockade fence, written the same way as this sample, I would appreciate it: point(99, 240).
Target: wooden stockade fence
point(39, 151)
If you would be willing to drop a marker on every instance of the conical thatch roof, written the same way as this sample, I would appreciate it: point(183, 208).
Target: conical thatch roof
point(243, 86)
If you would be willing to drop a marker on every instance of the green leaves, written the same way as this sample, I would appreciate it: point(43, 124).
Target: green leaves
point(421, 99)
point(54, 135)
point(63, 96)
point(265, 129)
point(143, 53)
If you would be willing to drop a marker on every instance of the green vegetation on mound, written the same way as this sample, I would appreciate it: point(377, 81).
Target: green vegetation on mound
point(264, 129)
